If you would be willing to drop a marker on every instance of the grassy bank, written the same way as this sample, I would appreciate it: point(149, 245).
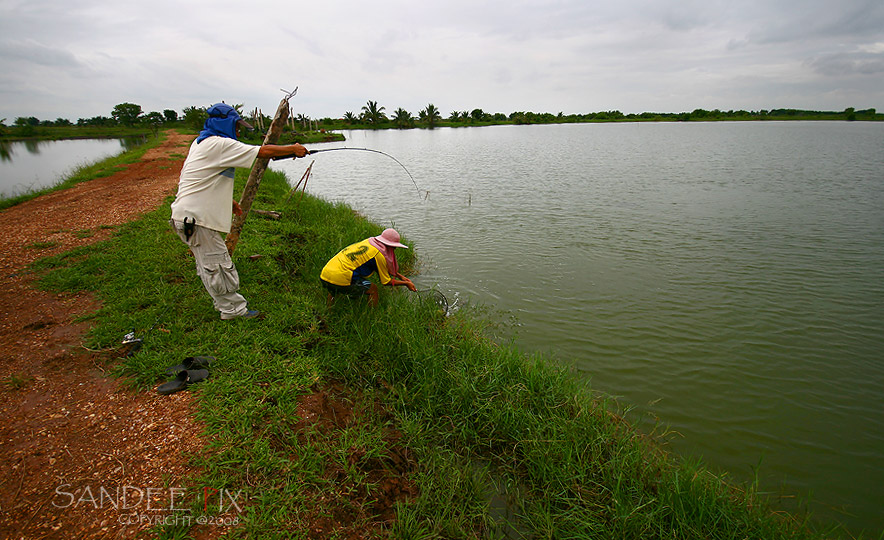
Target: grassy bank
point(57, 133)
point(334, 420)
point(291, 137)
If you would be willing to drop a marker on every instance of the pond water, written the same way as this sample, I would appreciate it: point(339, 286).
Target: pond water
point(725, 278)
point(33, 165)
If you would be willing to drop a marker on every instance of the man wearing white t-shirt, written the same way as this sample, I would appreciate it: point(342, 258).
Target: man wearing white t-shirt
point(204, 205)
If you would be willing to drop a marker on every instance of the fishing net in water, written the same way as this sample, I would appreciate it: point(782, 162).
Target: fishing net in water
point(436, 297)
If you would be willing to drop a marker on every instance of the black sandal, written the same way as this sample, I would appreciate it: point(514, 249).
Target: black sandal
point(191, 362)
point(183, 380)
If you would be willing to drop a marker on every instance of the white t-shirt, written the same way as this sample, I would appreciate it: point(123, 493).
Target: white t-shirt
point(205, 189)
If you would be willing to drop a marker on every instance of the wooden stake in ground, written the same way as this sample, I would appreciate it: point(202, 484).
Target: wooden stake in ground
point(257, 173)
point(304, 178)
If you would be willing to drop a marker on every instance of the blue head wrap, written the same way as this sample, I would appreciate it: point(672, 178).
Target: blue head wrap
point(221, 122)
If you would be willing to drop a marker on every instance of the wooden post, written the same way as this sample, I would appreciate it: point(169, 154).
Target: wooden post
point(251, 189)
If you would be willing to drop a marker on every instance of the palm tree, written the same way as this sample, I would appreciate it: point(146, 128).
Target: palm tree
point(349, 117)
point(403, 118)
point(430, 116)
point(372, 113)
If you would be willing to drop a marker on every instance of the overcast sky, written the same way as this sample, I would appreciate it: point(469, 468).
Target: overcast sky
point(78, 58)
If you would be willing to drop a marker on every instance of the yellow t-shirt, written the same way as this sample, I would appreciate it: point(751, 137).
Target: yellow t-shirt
point(358, 260)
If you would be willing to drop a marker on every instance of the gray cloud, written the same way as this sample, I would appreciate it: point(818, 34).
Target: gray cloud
point(855, 20)
point(848, 64)
point(78, 58)
point(32, 52)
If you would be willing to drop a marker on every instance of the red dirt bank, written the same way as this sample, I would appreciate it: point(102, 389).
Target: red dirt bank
point(65, 427)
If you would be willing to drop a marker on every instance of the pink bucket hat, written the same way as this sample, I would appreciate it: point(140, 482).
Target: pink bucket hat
point(390, 238)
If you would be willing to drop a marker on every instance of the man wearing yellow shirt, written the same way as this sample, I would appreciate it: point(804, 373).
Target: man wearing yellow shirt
point(348, 271)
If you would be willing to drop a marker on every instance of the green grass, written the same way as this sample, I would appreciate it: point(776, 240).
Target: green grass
point(498, 442)
point(55, 133)
point(41, 245)
point(16, 381)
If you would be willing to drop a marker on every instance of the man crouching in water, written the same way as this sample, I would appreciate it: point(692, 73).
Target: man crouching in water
point(202, 208)
point(348, 271)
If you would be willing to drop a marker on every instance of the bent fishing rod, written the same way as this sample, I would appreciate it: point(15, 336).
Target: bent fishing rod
point(311, 152)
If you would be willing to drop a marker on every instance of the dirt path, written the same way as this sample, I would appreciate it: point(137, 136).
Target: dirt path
point(72, 440)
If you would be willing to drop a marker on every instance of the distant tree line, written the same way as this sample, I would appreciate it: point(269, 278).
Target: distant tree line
point(124, 114)
point(127, 115)
point(374, 116)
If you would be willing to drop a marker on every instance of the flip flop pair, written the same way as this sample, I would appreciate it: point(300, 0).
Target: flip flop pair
point(191, 362)
point(183, 380)
point(190, 371)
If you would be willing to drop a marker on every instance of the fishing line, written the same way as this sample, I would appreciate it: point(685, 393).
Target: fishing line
point(376, 152)
point(310, 152)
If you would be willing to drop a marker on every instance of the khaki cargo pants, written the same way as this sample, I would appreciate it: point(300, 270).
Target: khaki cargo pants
point(215, 268)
